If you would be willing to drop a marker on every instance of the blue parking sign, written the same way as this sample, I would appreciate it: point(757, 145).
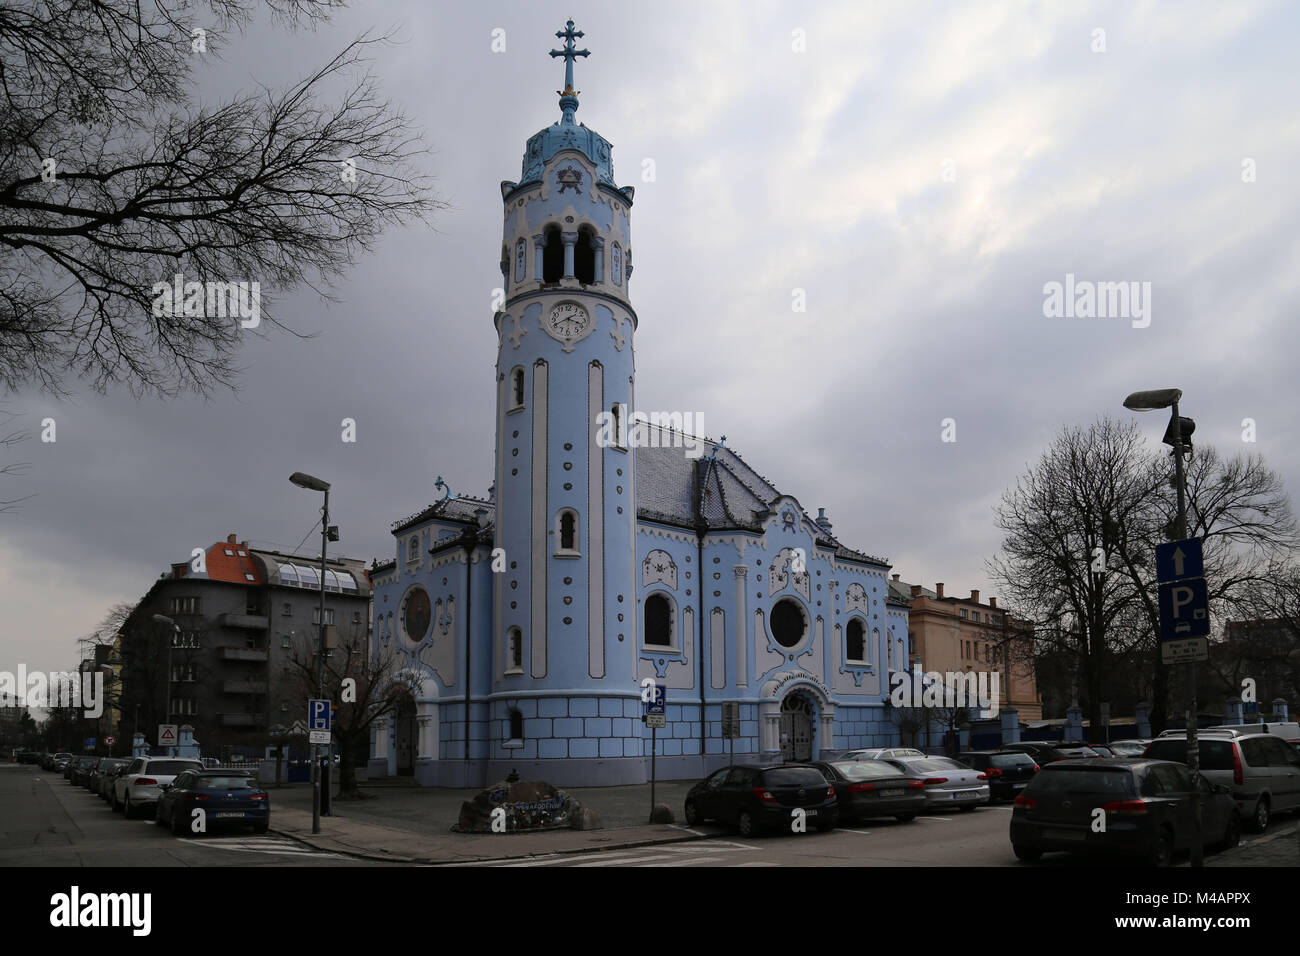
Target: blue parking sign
point(657, 701)
point(319, 715)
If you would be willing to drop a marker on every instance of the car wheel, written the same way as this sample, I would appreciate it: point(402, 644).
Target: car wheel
point(905, 817)
point(178, 825)
point(829, 823)
point(261, 827)
point(1026, 852)
point(1232, 835)
point(692, 814)
point(126, 808)
point(745, 824)
point(158, 816)
point(1162, 853)
point(117, 807)
point(1259, 819)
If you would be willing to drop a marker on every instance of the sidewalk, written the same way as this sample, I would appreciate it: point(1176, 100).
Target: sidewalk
point(409, 824)
point(1281, 848)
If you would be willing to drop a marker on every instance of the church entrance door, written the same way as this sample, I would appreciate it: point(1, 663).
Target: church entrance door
point(405, 742)
point(796, 727)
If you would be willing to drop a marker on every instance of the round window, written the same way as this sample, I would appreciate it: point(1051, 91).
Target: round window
point(788, 624)
point(416, 614)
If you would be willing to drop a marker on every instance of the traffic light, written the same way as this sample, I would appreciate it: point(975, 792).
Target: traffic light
point(1185, 427)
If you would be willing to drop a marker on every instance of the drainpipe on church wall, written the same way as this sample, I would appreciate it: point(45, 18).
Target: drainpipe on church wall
point(701, 528)
point(468, 544)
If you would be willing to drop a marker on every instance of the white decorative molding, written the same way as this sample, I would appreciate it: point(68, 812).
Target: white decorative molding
point(780, 574)
point(855, 598)
point(659, 566)
point(682, 536)
point(518, 332)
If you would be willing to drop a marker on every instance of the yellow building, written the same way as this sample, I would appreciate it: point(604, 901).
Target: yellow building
point(956, 634)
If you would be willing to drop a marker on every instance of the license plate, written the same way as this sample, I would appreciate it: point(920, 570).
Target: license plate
point(230, 813)
point(1058, 834)
point(810, 813)
point(890, 793)
point(966, 796)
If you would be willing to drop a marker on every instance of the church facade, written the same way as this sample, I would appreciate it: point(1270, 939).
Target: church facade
point(614, 553)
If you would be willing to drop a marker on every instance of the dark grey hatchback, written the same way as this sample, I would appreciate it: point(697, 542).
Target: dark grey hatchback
point(762, 798)
point(1146, 810)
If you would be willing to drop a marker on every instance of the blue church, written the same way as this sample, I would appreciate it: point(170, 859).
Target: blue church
point(611, 548)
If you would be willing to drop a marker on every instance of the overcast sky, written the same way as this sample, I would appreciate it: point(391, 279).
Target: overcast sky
point(919, 171)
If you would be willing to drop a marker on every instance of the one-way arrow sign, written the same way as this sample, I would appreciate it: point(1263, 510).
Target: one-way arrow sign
point(1177, 560)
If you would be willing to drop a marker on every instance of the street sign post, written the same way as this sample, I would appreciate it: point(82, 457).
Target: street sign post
point(168, 734)
point(656, 716)
point(319, 715)
point(1184, 602)
point(731, 726)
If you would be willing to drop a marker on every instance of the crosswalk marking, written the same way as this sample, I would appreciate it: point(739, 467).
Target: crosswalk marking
point(635, 861)
point(708, 852)
point(262, 845)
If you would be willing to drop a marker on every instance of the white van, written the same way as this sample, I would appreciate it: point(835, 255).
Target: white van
point(1288, 731)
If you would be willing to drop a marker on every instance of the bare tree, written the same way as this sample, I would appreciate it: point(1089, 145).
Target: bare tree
point(112, 184)
point(11, 469)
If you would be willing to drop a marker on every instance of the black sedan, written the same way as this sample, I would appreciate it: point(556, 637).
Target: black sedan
point(1008, 771)
point(225, 797)
point(873, 788)
point(1145, 810)
point(761, 798)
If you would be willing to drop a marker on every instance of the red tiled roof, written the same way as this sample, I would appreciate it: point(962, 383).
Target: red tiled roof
point(233, 567)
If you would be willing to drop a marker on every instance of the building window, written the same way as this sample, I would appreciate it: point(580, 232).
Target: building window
point(413, 549)
point(514, 651)
point(658, 621)
point(856, 641)
point(616, 418)
point(553, 255)
point(789, 626)
point(229, 553)
point(288, 610)
point(521, 258)
point(616, 260)
point(566, 527)
point(516, 725)
point(963, 613)
point(584, 256)
point(187, 605)
point(329, 616)
point(517, 389)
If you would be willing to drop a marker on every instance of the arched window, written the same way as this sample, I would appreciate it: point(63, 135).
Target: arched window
point(658, 621)
point(553, 255)
point(505, 264)
point(516, 725)
point(521, 258)
point(517, 388)
point(514, 651)
point(856, 640)
point(616, 264)
point(413, 550)
point(584, 256)
point(616, 417)
point(566, 527)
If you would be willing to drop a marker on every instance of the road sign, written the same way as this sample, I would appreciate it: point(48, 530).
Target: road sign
point(1189, 650)
point(730, 719)
point(1184, 609)
point(1178, 560)
point(658, 721)
point(655, 706)
point(110, 741)
point(318, 736)
point(167, 735)
point(319, 715)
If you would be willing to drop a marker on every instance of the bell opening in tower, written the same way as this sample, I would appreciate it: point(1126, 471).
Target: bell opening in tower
point(553, 255)
point(584, 256)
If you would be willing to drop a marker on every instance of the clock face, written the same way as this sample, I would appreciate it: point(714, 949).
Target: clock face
point(568, 321)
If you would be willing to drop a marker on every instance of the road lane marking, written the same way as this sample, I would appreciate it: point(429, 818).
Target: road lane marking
point(636, 861)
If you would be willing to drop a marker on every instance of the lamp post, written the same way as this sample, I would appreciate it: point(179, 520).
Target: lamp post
point(315, 484)
point(1178, 436)
point(176, 630)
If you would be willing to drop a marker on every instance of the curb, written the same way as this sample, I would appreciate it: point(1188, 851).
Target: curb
point(685, 837)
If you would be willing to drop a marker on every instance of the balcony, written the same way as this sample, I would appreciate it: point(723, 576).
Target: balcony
point(244, 687)
point(254, 622)
point(258, 654)
point(238, 720)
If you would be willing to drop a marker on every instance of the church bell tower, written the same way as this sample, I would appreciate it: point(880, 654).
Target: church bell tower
point(565, 603)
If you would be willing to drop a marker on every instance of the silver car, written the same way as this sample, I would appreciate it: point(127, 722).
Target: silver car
point(880, 753)
point(948, 783)
point(137, 787)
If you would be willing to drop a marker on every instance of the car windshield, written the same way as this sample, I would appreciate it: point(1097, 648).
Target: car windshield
point(793, 777)
point(1215, 754)
point(1011, 760)
point(933, 764)
point(225, 783)
point(865, 769)
point(1058, 779)
point(171, 766)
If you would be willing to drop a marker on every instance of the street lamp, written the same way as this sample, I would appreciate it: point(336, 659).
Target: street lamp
point(176, 630)
point(303, 480)
point(1179, 437)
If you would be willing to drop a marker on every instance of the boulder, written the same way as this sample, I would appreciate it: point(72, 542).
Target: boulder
point(586, 819)
point(661, 813)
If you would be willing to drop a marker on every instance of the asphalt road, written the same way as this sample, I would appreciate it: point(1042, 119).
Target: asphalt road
point(48, 822)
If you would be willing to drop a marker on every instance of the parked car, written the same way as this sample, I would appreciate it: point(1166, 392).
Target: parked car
point(1101, 750)
point(1071, 751)
point(59, 761)
point(107, 773)
point(79, 769)
point(1260, 770)
point(873, 788)
point(1008, 771)
point(227, 798)
point(947, 783)
point(760, 798)
point(1129, 748)
point(1289, 731)
point(1042, 751)
point(136, 788)
point(879, 753)
point(1147, 805)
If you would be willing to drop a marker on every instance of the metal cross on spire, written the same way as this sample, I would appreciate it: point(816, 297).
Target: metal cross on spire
point(568, 35)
